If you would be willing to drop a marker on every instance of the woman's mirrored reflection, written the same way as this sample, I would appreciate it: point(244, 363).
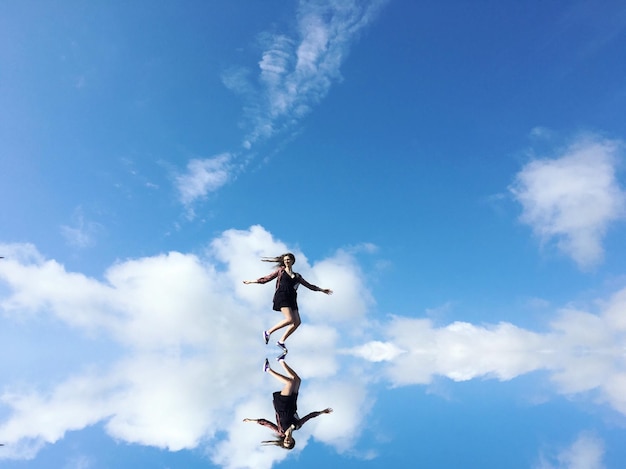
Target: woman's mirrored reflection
point(286, 407)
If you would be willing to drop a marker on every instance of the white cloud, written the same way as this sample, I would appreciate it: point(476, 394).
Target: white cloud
point(377, 351)
point(417, 351)
point(297, 72)
point(351, 405)
point(586, 452)
point(573, 198)
point(204, 176)
point(581, 351)
point(294, 74)
point(184, 350)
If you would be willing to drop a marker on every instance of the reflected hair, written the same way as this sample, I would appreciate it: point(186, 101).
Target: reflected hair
point(279, 260)
point(280, 443)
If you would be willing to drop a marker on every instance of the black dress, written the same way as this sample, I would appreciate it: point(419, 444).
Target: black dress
point(286, 294)
point(286, 408)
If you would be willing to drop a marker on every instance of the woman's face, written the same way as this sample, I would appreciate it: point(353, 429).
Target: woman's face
point(288, 261)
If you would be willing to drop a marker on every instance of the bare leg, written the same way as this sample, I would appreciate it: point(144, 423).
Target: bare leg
point(285, 322)
point(291, 382)
point(295, 317)
point(294, 376)
point(292, 319)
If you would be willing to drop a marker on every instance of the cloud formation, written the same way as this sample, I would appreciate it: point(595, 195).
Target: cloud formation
point(183, 349)
point(171, 374)
point(573, 197)
point(204, 176)
point(297, 72)
point(294, 74)
point(581, 351)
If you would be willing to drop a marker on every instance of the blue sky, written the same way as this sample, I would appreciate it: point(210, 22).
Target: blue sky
point(454, 171)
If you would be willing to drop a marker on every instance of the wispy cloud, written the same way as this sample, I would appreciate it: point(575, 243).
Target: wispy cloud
point(573, 197)
point(82, 233)
point(204, 176)
point(295, 72)
point(586, 452)
point(78, 462)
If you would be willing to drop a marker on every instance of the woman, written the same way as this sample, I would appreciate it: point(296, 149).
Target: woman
point(286, 408)
point(285, 296)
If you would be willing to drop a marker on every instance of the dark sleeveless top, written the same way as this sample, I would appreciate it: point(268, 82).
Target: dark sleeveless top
point(286, 291)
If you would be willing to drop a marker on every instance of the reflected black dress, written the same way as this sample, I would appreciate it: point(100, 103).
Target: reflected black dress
point(286, 408)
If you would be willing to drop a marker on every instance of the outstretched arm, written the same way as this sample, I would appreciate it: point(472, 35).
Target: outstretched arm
point(310, 286)
point(265, 423)
point(312, 415)
point(265, 279)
